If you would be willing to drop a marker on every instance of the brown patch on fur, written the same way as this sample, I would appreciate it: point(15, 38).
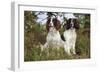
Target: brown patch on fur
point(57, 23)
point(48, 24)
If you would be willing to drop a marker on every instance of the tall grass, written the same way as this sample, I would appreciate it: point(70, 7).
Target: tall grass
point(32, 51)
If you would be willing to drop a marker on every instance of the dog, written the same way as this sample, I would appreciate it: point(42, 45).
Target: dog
point(53, 39)
point(70, 35)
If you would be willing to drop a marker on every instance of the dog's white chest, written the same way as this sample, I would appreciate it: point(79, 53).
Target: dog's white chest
point(53, 39)
point(70, 35)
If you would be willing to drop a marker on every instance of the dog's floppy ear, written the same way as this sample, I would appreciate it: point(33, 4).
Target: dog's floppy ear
point(57, 23)
point(48, 23)
point(76, 23)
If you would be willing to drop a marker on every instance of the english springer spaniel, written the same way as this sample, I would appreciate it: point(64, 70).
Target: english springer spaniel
point(53, 39)
point(70, 35)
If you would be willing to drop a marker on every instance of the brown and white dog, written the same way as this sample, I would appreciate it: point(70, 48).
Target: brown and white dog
point(53, 39)
point(70, 34)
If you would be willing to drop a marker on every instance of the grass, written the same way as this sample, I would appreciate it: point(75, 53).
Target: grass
point(32, 51)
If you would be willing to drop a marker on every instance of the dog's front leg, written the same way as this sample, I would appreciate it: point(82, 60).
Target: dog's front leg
point(67, 49)
point(73, 48)
point(46, 48)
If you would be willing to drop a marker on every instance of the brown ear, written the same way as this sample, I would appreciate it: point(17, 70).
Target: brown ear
point(76, 23)
point(57, 23)
point(47, 24)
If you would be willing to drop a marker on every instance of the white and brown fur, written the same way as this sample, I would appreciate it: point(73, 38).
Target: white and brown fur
point(70, 35)
point(53, 39)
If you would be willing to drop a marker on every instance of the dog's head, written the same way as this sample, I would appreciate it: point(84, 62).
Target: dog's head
point(53, 24)
point(71, 24)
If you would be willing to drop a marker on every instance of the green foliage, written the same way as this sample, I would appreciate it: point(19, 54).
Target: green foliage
point(83, 43)
point(82, 49)
point(84, 20)
point(35, 35)
point(29, 20)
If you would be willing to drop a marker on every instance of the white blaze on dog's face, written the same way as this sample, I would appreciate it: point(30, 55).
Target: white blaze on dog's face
point(72, 24)
point(52, 28)
point(51, 21)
